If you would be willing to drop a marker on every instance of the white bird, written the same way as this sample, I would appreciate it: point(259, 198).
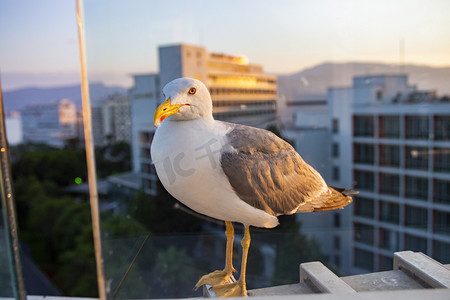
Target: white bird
point(231, 172)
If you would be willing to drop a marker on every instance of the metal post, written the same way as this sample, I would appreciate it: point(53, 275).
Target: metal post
point(90, 155)
point(9, 210)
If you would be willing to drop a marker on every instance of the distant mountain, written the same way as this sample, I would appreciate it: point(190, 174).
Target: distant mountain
point(312, 83)
point(19, 99)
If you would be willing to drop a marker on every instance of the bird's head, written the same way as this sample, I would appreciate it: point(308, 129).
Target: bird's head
point(185, 99)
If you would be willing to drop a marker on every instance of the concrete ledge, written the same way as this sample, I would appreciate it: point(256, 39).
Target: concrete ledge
point(417, 264)
point(320, 278)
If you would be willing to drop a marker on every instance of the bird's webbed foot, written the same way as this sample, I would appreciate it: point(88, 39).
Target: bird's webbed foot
point(235, 289)
point(218, 277)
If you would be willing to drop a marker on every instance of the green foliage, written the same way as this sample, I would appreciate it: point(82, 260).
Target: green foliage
point(59, 166)
point(159, 215)
point(112, 159)
point(58, 229)
point(173, 268)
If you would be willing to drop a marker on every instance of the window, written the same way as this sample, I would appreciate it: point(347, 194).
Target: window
point(363, 233)
point(336, 173)
point(388, 239)
point(442, 128)
point(389, 155)
point(415, 243)
point(389, 127)
point(364, 180)
point(337, 242)
point(416, 217)
point(416, 187)
point(363, 259)
point(145, 137)
point(441, 222)
point(389, 212)
point(363, 207)
point(441, 159)
point(337, 220)
point(363, 126)
point(145, 153)
point(363, 153)
point(441, 252)
point(335, 149)
point(389, 184)
point(416, 127)
point(335, 125)
point(379, 95)
point(416, 158)
point(441, 191)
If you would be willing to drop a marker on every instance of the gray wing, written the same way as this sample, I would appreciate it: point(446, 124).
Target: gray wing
point(267, 173)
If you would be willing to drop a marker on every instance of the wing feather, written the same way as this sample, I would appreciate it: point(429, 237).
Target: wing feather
point(267, 173)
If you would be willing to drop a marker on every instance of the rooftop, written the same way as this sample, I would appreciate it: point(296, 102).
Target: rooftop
point(414, 276)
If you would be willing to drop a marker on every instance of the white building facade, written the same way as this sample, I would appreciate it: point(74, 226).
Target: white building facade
point(116, 119)
point(392, 143)
point(51, 124)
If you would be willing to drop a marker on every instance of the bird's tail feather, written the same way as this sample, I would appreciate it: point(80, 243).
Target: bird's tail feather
point(339, 199)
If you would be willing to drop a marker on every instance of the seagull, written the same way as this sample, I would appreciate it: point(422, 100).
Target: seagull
point(231, 172)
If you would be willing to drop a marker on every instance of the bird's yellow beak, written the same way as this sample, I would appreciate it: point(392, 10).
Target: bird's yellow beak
point(164, 110)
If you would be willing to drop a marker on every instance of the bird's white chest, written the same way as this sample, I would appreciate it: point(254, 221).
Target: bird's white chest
point(184, 153)
point(187, 160)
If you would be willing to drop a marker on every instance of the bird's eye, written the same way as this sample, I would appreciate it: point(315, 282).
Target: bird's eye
point(192, 91)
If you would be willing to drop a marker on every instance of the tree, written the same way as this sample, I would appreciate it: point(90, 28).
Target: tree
point(159, 214)
point(57, 228)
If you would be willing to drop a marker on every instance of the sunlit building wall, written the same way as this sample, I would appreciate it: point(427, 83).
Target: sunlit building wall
point(241, 92)
point(392, 143)
point(51, 124)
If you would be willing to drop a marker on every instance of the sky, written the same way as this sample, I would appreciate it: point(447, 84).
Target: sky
point(39, 38)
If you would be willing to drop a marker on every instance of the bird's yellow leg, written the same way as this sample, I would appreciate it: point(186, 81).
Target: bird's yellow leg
point(223, 276)
point(239, 288)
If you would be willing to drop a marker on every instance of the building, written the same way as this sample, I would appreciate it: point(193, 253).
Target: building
point(241, 93)
point(392, 143)
point(51, 124)
point(144, 97)
point(115, 119)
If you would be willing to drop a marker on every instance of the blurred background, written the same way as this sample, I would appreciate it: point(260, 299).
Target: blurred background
point(359, 88)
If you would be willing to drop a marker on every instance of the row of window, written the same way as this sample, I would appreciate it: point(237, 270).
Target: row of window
point(415, 127)
point(270, 113)
point(389, 240)
point(413, 216)
point(237, 91)
point(390, 156)
point(271, 103)
point(146, 137)
point(414, 187)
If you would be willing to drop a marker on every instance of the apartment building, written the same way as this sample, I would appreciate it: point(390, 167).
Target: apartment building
point(391, 142)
